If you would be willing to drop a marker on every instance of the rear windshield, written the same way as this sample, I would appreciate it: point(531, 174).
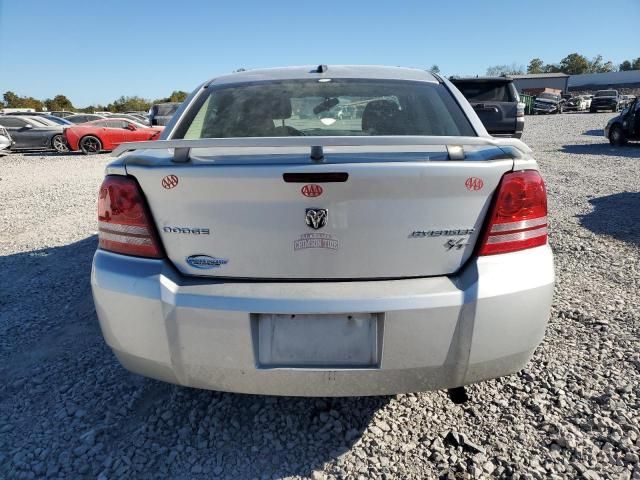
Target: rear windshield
point(486, 91)
point(325, 107)
point(606, 93)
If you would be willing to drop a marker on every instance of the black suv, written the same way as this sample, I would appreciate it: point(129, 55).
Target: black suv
point(626, 126)
point(496, 101)
point(606, 100)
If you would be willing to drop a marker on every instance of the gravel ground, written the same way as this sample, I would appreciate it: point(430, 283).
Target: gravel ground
point(68, 410)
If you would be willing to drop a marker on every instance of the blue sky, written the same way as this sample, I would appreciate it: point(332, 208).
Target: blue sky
point(95, 51)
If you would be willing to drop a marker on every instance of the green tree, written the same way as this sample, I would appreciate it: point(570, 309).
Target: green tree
point(14, 101)
point(178, 96)
point(59, 102)
point(512, 69)
point(625, 66)
point(598, 66)
point(434, 68)
point(125, 104)
point(635, 65)
point(552, 68)
point(575, 64)
point(536, 65)
point(10, 99)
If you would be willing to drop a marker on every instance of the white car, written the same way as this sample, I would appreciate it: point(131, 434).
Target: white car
point(266, 245)
point(5, 139)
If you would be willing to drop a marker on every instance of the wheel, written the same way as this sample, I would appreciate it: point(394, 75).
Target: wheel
point(616, 136)
point(592, 110)
point(90, 144)
point(58, 144)
point(615, 108)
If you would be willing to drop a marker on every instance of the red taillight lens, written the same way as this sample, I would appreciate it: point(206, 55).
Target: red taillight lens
point(518, 218)
point(124, 222)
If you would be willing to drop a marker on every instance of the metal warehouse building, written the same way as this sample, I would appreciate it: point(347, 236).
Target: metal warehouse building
point(558, 81)
point(601, 81)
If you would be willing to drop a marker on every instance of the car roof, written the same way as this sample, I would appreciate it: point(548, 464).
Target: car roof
point(375, 72)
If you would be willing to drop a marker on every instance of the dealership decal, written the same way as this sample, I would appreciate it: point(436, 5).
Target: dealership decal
point(311, 190)
point(316, 240)
point(474, 183)
point(206, 262)
point(170, 181)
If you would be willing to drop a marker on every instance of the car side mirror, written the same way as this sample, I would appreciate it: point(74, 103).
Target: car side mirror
point(130, 126)
point(28, 125)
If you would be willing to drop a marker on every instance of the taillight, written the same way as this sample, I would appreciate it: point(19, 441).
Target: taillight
point(124, 222)
point(518, 218)
point(520, 109)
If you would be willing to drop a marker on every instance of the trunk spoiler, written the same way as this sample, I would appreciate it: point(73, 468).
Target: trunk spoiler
point(455, 145)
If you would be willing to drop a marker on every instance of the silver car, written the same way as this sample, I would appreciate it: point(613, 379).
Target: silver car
point(268, 244)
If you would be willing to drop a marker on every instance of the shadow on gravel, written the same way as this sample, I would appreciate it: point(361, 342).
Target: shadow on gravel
point(616, 215)
point(48, 153)
point(630, 151)
point(599, 132)
point(69, 410)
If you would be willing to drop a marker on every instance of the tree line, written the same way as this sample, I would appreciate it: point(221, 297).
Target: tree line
point(572, 64)
point(61, 102)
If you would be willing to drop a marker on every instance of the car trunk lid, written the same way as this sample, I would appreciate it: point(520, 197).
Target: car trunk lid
point(362, 213)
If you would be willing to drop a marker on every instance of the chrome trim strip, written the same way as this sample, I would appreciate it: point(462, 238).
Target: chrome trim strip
point(114, 237)
point(518, 236)
point(506, 227)
point(124, 229)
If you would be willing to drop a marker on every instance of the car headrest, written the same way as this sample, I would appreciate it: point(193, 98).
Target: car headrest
point(380, 117)
point(273, 106)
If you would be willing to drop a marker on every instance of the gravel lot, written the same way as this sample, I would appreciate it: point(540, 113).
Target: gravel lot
point(68, 410)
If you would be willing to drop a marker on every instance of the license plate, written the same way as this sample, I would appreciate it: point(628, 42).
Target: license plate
point(334, 341)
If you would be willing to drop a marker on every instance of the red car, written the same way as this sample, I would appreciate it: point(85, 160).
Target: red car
point(107, 134)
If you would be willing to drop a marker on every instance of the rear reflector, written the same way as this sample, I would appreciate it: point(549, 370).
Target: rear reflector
point(518, 218)
point(124, 224)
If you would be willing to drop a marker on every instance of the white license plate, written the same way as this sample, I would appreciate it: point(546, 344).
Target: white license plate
point(334, 341)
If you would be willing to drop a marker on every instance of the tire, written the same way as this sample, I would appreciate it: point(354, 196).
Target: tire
point(592, 110)
point(58, 144)
point(90, 145)
point(616, 136)
point(615, 109)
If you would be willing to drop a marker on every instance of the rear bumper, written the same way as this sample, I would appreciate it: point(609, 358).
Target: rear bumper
point(437, 332)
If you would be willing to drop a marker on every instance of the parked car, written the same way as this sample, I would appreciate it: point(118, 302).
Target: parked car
point(496, 102)
point(546, 103)
point(28, 133)
point(161, 113)
point(627, 100)
point(626, 126)
point(576, 104)
point(6, 142)
point(401, 250)
point(107, 134)
point(84, 118)
point(606, 100)
point(587, 100)
point(62, 114)
point(129, 116)
point(48, 119)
